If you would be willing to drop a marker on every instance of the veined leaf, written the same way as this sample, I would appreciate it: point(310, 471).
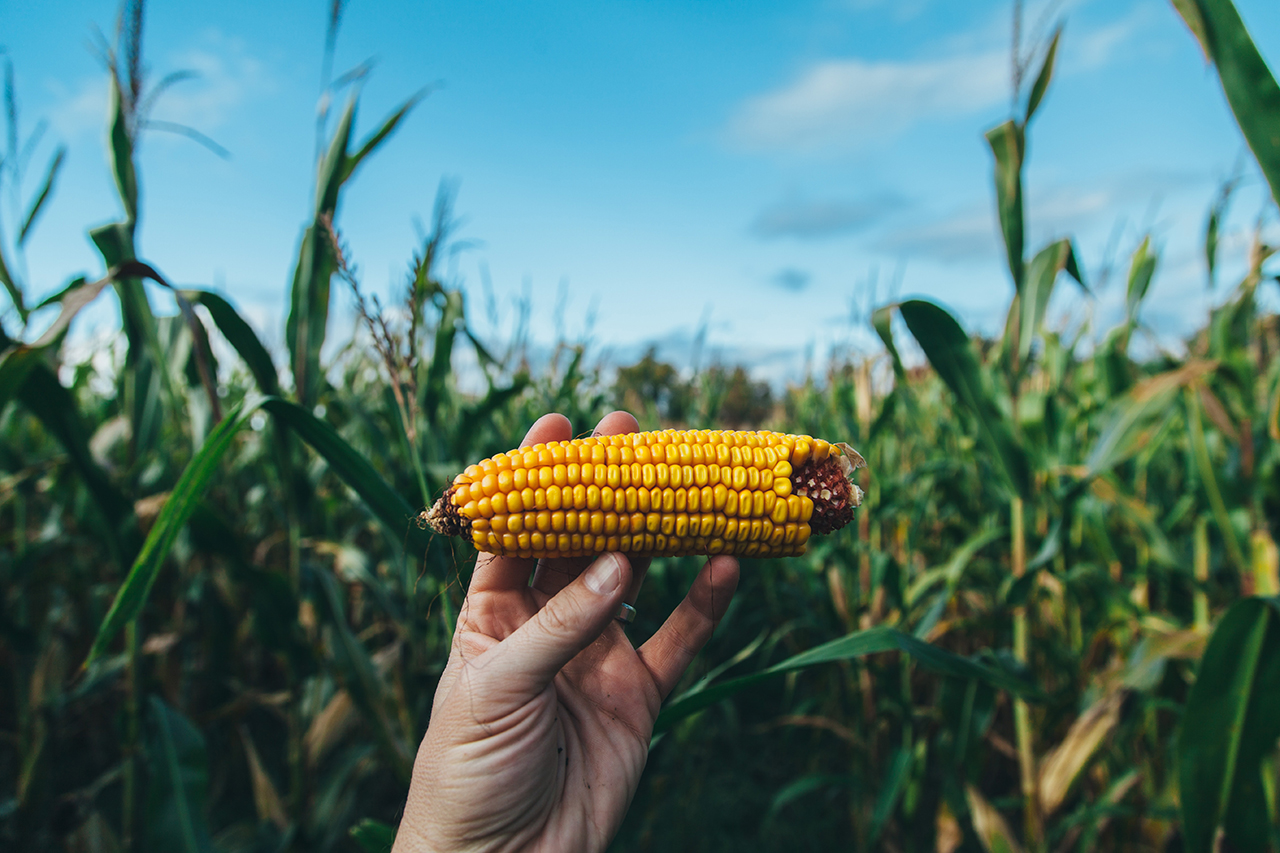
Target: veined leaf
point(1042, 79)
point(1008, 144)
point(951, 354)
point(179, 783)
point(1248, 83)
point(380, 135)
point(182, 501)
point(882, 322)
point(122, 155)
point(241, 336)
point(42, 196)
point(1136, 416)
point(1141, 269)
point(1037, 289)
point(354, 469)
point(855, 645)
point(1232, 721)
point(73, 301)
point(1209, 478)
point(15, 292)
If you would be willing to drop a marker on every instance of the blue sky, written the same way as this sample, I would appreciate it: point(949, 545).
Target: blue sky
point(638, 168)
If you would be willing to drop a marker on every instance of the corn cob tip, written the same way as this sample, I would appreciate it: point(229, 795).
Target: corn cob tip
point(670, 493)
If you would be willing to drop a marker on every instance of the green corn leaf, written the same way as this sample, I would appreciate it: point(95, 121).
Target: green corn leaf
point(309, 311)
point(15, 292)
point(806, 784)
point(856, 645)
point(882, 322)
point(1008, 144)
point(895, 780)
point(59, 295)
point(951, 354)
point(1231, 722)
point(46, 189)
point(373, 836)
point(1041, 85)
point(1037, 289)
point(1209, 478)
point(952, 573)
point(73, 301)
point(1248, 83)
point(186, 496)
point(354, 469)
point(309, 292)
point(15, 364)
point(121, 150)
point(241, 336)
point(1131, 421)
point(1141, 269)
point(452, 316)
point(380, 135)
point(178, 766)
point(333, 166)
point(358, 675)
point(45, 397)
point(182, 501)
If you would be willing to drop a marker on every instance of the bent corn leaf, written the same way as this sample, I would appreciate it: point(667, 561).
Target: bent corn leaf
point(182, 501)
point(1248, 83)
point(855, 645)
point(951, 354)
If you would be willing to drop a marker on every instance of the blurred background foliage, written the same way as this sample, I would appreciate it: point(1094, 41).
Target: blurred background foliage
point(1054, 625)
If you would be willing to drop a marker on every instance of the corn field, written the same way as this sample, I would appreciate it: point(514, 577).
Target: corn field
point(1054, 624)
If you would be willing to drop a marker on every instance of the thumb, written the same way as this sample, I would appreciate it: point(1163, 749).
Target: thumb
point(569, 622)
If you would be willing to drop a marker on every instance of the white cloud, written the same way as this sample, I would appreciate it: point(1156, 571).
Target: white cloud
point(844, 103)
point(226, 76)
point(79, 109)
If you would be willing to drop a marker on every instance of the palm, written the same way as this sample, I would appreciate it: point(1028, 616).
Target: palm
point(525, 757)
point(575, 749)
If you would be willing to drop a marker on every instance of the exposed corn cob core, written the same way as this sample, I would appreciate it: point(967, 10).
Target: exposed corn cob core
point(668, 493)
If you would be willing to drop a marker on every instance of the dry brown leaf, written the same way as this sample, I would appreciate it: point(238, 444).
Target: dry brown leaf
point(1064, 763)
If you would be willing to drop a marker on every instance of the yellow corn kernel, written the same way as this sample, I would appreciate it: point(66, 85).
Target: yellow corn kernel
point(652, 494)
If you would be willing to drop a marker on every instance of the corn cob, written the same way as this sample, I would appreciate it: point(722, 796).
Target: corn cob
point(668, 493)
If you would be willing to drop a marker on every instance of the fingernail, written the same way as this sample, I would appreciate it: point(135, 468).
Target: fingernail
point(603, 576)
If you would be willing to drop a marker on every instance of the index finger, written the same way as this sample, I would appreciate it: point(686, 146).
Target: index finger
point(499, 574)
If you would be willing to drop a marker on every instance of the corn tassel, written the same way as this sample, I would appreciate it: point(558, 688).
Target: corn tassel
point(668, 493)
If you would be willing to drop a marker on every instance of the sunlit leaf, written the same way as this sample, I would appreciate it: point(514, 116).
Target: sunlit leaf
point(1248, 83)
point(1043, 78)
point(1008, 144)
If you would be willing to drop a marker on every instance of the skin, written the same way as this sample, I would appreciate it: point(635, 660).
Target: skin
point(541, 722)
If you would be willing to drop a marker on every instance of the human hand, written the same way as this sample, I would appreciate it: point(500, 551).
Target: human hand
point(541, 722)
